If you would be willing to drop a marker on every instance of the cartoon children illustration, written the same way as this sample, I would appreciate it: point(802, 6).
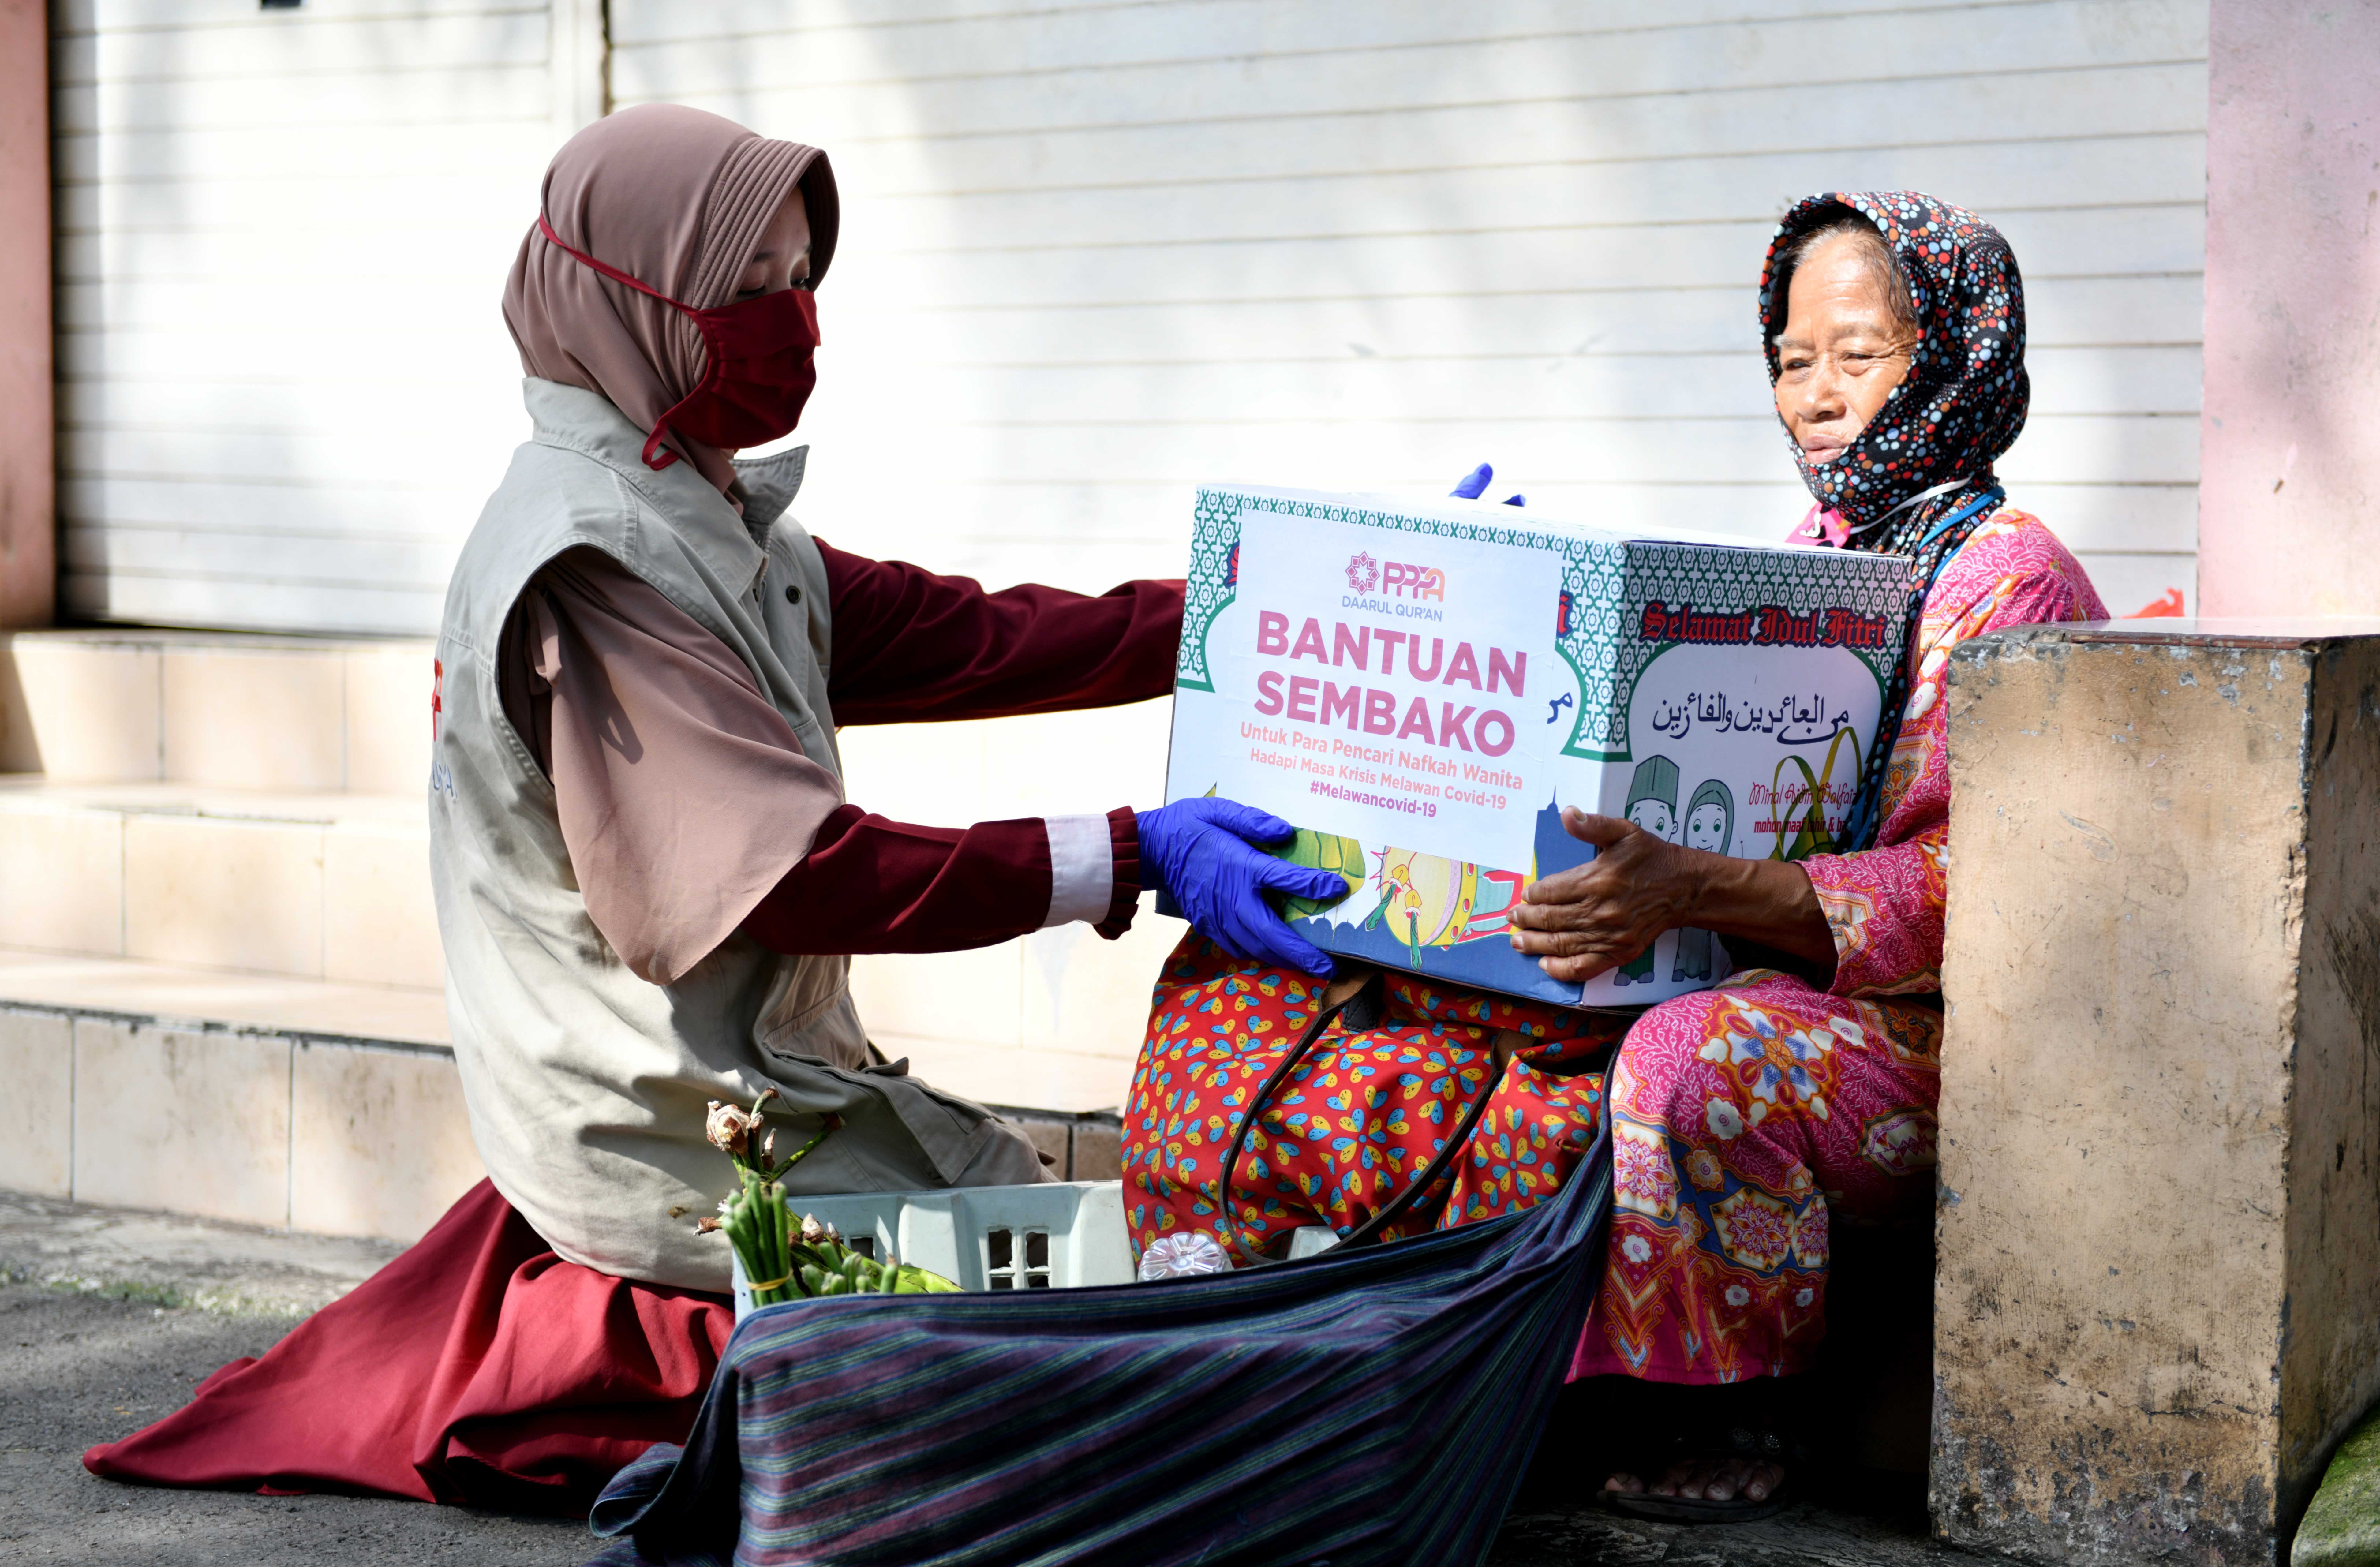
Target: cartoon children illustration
point(1653, 805)
point(1710, 826)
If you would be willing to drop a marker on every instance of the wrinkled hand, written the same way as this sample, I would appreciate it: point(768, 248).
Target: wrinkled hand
point(1199, 852)
point(1595, 916)
point(1476, 482)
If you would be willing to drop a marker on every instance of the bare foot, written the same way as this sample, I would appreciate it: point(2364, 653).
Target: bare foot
point(1708, 1479)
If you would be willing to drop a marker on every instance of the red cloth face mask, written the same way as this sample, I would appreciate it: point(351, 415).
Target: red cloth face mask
point(758, 372)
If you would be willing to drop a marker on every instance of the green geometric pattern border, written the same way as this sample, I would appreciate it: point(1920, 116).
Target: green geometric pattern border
point(1725, 581)
point(1214, 537)
point(1606, 598)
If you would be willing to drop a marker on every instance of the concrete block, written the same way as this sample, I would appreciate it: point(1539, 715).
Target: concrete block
point(61, 878)
point(87, 709)
point(1084, 994)
point(380, 1144)
point(254, 719)
point(1099, 1151)
point(388, 718)
point(196, 1123)
point(2158, 1299)
point(1050, 1137)
point(379, 925)
point(224, 894)
point(37, 1112)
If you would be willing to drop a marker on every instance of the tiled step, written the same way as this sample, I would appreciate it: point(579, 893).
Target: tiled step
point(318, 886)
point(292, 1103)
point(213, 871)
point(216, 709)
point(337, 887)
point(336, 1109)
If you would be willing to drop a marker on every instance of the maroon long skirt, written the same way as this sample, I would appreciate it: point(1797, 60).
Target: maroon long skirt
point(477, 1367)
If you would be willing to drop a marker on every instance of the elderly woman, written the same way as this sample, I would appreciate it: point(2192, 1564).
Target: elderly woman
point(649, 879)
point(1744, 1117)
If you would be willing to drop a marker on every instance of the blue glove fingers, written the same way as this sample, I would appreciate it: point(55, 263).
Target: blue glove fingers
point(1269, 940)
point(1244, 822)
point(1473, 483)
point(1303, 880)
point(1510, 500)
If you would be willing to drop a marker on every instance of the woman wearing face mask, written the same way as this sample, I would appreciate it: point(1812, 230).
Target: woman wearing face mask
point(648, 881)
point(1804, 1084)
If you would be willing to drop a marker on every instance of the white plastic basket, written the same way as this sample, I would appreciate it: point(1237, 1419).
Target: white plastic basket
point(1055, 1235)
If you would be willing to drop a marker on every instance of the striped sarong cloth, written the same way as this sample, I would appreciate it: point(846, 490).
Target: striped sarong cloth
point(1372, 1407)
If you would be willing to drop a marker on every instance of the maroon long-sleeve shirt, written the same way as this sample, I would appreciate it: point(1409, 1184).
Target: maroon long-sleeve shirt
point(713, 819)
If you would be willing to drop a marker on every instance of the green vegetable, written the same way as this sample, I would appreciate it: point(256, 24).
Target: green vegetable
point(784, 1261)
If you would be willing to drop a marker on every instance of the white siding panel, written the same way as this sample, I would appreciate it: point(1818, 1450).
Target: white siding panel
point(285, 386)
point(1101, 65)
point(1094, 254)
point(465, 92)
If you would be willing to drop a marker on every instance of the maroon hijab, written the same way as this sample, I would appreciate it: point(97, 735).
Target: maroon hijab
point(677, 198)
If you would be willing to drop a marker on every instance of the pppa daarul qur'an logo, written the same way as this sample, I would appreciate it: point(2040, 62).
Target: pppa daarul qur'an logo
point(1398, 580)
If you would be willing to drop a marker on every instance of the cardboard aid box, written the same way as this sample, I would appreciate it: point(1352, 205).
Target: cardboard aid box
point(1421, 686)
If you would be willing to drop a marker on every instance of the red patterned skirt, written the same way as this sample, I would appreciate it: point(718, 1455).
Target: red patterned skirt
point(1359, 1117)
point(1745, 1119)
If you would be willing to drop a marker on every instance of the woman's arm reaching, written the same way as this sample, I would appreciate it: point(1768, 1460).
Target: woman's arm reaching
point(690, 810)
point(911, 646)
point(869, 884)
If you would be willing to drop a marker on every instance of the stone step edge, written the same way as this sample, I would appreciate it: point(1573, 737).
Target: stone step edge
point(203, 1023)
point(40, 1154)
point(188, 639)
point(33, 794)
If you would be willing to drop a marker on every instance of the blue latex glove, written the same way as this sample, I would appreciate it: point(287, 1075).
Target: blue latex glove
point(1198, 851)
point(1476, 482)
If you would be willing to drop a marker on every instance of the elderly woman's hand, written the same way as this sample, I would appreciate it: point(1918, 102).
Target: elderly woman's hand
point(1581, 922)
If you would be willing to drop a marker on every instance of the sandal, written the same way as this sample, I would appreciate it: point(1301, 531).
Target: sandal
point(1741, 1442)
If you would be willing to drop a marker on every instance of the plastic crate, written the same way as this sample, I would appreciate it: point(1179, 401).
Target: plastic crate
point(1054, 1235)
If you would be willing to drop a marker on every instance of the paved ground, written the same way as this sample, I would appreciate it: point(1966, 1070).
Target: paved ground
point(108, 1320)
point(79, 1367)
point(1800, 1536)
point(174, 1261)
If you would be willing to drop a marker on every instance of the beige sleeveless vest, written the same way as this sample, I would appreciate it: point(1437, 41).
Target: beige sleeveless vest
point(587, 1085)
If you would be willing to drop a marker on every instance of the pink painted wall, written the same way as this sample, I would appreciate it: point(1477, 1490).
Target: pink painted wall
point(28, 568)
point(2288, 508)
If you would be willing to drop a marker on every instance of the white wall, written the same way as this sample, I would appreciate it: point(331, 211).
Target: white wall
point(284, 384)
point(1093, 254)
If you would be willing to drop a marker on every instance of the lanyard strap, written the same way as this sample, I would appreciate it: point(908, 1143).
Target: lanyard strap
point(1867, 809)
point(614, 273)
point(661, 425)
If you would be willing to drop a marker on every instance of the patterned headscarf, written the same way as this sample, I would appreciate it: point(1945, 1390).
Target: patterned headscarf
point(1964, 399)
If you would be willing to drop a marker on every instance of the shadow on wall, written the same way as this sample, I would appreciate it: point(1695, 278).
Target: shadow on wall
point(20, 748)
